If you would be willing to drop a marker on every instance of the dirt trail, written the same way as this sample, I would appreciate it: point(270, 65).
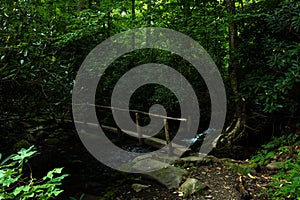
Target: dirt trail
point(222, 183)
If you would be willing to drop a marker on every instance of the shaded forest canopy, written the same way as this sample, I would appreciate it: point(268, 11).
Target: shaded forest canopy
point(255, 45)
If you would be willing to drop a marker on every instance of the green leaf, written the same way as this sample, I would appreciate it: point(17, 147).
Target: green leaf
point(271, 154)
point(14, 188)
point(6, 159)
point(28, 195)
point(58, 179)
point(57, 192)
point(50, 173)
point(10, 180)
point(24, 154)
point(24, 188)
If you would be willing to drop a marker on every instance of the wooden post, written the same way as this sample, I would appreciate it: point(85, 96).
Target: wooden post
point(137, 118)
point(119, 132)
point(167, 134)
point(189, 123)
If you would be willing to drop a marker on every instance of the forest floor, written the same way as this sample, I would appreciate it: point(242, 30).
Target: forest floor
point(96, 181)
point(222, 183)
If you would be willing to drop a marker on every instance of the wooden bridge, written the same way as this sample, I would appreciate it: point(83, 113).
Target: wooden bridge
point(152, 141)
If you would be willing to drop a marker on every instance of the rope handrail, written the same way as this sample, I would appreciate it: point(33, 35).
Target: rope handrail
point(135, 111)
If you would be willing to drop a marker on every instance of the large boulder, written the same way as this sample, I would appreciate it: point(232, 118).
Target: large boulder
point(163, 173)
point(159, 171)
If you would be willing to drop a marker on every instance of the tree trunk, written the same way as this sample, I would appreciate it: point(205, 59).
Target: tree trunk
point(149, 20)
point(187, 12)
point(236, 130)
point(132, 21)
point(133, 10)
point(108, 23)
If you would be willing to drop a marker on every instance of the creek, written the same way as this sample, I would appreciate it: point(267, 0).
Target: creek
point(87, 174)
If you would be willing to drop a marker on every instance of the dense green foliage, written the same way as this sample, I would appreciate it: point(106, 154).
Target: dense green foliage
point(269, 53)
point(15, 184)
point(286, 151)
point(44, 42)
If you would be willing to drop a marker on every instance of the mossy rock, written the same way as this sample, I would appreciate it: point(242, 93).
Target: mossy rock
point(21, 144)
point(191, 186)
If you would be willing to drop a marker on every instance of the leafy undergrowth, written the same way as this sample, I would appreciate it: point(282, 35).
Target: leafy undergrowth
point(284, 152)
point(14, 184)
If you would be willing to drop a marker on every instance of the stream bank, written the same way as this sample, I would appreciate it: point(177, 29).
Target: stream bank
point(61, 147)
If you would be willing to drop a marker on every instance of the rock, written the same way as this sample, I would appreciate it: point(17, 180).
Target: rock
point(273, 165)
point(142, 157)
point(169, 177)
point(201, 159)
point(161, 172)
point(191, 186)
point(149, 165)
point(139, 187)
point(156, 156)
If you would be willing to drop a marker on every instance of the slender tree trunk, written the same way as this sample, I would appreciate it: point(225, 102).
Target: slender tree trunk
point(132, 22)
point(133, 10)
point(149, 19)
point(236, 130)
point(148, 24)
point(108, 23)
point(187, 11)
